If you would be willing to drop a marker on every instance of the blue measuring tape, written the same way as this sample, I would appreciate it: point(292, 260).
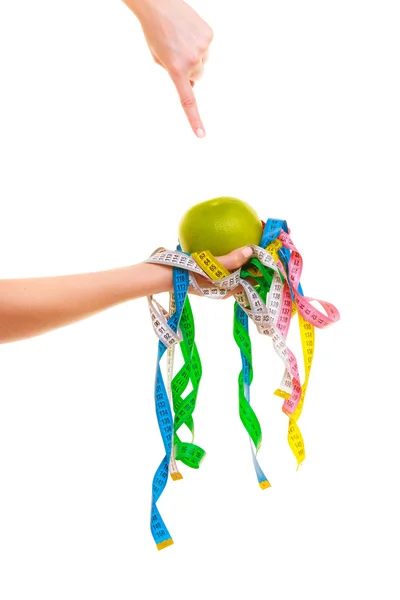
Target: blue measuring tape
point(159, 530)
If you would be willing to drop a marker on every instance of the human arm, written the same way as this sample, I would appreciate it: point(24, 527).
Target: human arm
point(31, 307)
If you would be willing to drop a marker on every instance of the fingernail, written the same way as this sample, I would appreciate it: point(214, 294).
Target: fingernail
point(200, 132)
point(247, 252)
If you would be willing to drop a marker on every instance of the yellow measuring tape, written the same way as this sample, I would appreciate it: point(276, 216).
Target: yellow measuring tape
point(210, 264)
point(295, 437)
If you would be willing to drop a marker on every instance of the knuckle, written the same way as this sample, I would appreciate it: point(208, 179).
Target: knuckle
point(236, 261)
point(193, 59)
point(206, 38)
point(188, 101)
point(176, 67)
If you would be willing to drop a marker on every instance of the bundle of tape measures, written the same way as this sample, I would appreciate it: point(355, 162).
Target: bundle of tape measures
point(271, 301)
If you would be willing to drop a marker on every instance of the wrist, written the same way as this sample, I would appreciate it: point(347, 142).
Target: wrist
point(162, 280)
point(150, 278)
point(140, 8)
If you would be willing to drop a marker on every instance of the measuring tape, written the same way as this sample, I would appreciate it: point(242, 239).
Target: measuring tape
point(271, 301)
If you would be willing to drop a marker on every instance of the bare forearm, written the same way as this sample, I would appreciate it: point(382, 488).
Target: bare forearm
point(30, 307)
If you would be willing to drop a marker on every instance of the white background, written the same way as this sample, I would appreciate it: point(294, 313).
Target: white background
point(97, 164)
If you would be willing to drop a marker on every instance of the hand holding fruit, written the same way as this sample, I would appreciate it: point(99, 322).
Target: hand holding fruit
point(231, 261)
point(224, 226)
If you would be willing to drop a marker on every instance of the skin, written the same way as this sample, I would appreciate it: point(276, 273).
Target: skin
point(178, 40)
point(31, 307)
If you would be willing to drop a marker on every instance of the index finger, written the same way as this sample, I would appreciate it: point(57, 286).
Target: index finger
point(189, 104)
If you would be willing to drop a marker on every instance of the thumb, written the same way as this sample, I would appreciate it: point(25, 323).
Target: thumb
point(236, 258)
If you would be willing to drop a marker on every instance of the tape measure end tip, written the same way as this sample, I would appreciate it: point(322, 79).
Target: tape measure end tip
point(165, 544)
point(176, 476)
point(264, 484)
